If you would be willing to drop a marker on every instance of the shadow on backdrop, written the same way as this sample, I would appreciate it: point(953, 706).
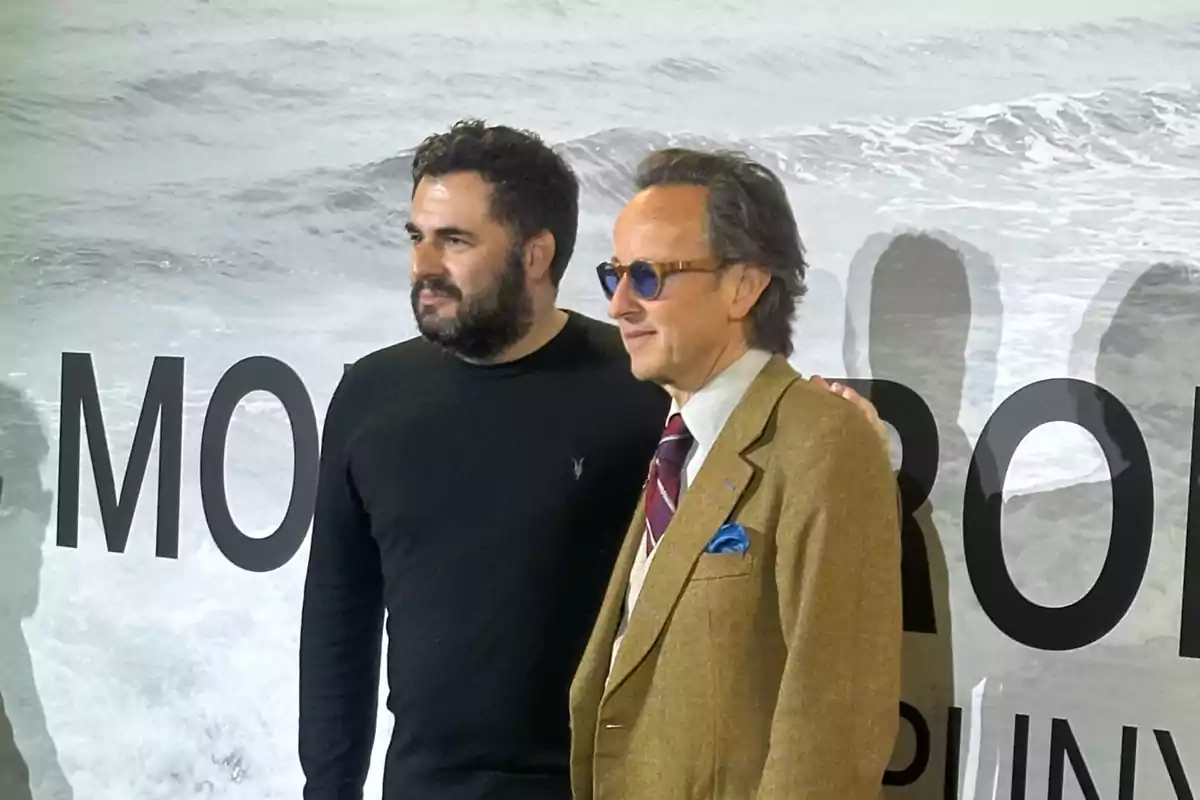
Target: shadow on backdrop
point(28, 757)
point(920, 307)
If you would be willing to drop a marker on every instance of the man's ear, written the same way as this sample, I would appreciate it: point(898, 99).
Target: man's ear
point(750, 285)
point(539, 253)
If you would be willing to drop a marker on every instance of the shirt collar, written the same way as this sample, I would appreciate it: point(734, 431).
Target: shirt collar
point(707, 410)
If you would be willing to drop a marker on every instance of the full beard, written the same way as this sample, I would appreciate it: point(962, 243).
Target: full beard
point(483, 326)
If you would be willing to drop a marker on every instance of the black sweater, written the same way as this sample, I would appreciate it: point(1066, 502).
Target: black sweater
point(483, 508)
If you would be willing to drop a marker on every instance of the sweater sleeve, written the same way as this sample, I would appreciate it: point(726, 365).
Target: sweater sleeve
point(341, 621)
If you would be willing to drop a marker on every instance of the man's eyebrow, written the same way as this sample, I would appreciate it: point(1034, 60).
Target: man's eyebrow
point(444, 231)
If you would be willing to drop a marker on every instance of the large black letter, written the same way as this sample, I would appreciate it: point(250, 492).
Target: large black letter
point(953, 748)
point(1020, 760)
point(1189, 619)
point(163, 401)
point(904, 410)
point(265, 374)
point(1170, 754)
point(1128, 774)
point(1062, 742)
point(924, 746)
point(1109, 422)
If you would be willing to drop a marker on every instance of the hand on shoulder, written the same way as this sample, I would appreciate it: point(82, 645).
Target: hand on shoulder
point(865, 406)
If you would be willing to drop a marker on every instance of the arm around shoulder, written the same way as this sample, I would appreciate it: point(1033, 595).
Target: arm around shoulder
point(838, 577)
point(341, 623)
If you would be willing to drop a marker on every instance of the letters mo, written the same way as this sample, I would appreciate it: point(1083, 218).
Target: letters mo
point(1055, 400)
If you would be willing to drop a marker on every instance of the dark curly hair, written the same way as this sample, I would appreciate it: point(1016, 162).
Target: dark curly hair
point(533, 187)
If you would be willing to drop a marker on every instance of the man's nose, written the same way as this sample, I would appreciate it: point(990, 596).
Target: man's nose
point(426, 260)
point(624, 302)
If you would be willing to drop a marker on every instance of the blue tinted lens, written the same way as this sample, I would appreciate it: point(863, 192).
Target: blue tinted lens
point(608, 279)
point(643, 279)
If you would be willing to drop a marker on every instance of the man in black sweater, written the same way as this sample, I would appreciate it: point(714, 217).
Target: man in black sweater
point(475, 483)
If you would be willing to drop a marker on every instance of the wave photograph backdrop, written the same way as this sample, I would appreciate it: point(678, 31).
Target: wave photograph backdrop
point(990, 199)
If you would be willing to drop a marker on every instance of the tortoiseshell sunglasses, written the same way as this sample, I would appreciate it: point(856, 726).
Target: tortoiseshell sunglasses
point(646, 277)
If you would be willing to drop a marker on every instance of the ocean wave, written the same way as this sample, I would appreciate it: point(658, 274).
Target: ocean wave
point(312, 218)
point(1044, 133)
point(83, 263)
point(1182, 33)
point(324, 71)
point(194, 89)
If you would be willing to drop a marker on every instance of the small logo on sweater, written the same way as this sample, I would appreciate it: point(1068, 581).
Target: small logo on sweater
point(578, 465)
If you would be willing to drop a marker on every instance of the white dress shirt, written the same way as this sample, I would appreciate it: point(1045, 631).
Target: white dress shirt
point(704, 414)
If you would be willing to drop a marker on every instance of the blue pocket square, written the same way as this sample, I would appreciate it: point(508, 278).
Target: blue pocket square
point(729, 538)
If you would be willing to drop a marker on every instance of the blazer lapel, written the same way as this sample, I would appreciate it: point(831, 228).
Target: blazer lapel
point(705, 506)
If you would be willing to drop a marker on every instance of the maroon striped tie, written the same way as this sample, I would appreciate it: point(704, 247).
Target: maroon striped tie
point(662, 486)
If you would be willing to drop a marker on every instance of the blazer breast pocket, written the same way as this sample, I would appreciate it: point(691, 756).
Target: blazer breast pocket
point(711, 566)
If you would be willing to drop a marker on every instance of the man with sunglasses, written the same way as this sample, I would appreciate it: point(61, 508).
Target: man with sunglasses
point(475, 482)
point(748, 645)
